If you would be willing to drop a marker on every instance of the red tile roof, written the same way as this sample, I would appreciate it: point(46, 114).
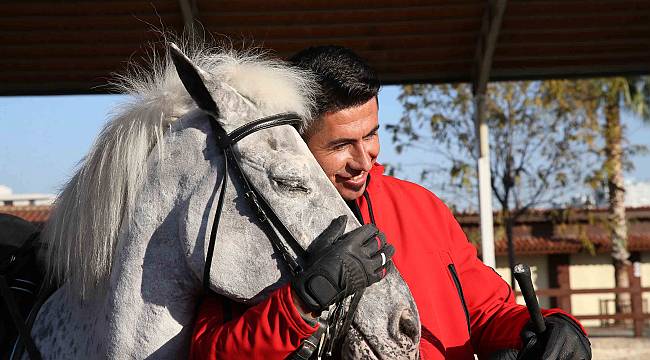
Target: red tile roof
point(532, 245)
point(564, 231)
point(638, 239)
point(37, 214)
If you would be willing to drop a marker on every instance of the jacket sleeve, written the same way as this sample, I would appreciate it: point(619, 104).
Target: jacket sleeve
point(272, 329)
point(495, 318)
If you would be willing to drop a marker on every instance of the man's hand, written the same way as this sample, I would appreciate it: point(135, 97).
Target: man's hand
point(562, 340)
point(341, 264)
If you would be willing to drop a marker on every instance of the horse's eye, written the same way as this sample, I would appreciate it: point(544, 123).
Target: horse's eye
point(289, 175)
point(290, 184)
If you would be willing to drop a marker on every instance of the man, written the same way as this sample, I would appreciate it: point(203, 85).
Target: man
point(464, 306)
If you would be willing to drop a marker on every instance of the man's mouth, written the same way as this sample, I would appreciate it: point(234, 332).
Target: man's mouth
point(355, 181)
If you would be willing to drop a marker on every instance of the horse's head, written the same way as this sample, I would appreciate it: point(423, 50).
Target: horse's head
point(280, 166)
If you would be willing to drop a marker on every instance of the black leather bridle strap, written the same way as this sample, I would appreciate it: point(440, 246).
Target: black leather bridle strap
point(337, 343)
point(263, 211)
point(264, 123)
point(275, 228)
point(215, 228)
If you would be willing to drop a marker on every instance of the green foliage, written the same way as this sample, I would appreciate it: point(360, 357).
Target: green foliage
point(544, 136)
point(540, 144)
point(594, 96)
point(568, 224)
point(638, 96)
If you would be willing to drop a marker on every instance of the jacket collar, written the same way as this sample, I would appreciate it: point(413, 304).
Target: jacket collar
point(376, 172)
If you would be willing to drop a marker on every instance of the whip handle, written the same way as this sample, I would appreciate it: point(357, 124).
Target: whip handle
point(522, 274)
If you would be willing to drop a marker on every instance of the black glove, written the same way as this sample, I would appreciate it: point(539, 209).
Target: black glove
point(341, 264)
point(563, 340)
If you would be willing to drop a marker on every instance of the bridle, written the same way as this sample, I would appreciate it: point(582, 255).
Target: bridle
point(330, 334)
point(272, 225)
point(328, 339)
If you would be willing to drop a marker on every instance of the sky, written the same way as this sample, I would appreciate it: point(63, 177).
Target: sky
point(43, 138)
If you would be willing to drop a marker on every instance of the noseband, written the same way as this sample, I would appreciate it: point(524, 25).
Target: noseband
point(328, 339)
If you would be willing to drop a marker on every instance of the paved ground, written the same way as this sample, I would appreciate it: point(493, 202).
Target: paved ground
point(620, 348)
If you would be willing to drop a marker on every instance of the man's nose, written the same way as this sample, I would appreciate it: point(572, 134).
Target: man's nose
point(362, 158)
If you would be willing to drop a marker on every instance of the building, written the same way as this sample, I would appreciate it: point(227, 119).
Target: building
point(8, 198)
point(570, 249)
point(566, 249)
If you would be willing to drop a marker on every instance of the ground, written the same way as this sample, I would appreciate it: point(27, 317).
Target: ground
point(620, 348)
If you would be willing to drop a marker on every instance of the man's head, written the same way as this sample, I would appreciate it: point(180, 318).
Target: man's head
point(343, 136)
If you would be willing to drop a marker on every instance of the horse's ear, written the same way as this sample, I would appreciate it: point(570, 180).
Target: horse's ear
point(191, 78)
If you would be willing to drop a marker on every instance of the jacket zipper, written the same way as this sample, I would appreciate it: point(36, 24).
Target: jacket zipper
point(454, 275)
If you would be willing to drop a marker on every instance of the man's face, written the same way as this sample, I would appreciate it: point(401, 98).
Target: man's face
point(346, 144)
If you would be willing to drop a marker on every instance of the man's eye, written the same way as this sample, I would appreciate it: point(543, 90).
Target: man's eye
point(370, 136)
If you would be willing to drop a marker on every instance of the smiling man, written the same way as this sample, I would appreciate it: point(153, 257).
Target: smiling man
point(346, 144)
point(465, 307)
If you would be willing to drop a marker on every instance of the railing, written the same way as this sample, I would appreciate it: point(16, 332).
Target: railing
point(563, 296)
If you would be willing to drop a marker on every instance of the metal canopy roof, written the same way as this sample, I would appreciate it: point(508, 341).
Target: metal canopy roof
point(56, 47)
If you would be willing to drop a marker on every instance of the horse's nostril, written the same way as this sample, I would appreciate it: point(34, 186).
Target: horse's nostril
point(408, 325)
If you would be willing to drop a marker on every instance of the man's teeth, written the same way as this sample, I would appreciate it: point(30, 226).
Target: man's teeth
point(358, 177)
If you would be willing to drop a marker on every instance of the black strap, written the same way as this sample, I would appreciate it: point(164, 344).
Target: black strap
point(18, 321)
point(46, 290)
point(337, 344)
point(215, 228)
point(267, 216)
point(264, 123)
point(263, 211)
point(309, 345)
point(370, 212)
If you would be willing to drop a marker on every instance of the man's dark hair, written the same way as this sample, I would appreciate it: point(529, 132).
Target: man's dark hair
point(345, 79)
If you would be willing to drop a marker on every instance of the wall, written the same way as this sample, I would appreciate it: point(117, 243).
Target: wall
point(589, 272)
point(538, 268)
point(597, 272)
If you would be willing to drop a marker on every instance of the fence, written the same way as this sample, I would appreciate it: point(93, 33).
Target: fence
point(636, 314)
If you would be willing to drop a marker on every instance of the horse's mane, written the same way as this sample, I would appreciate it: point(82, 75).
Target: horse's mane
point(82, 232)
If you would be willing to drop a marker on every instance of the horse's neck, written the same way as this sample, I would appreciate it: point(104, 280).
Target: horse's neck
point(152, 282)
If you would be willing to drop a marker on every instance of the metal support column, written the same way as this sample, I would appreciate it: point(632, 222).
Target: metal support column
point(484, 183)
point(484, 52)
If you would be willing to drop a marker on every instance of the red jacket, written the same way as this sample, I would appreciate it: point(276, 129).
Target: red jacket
point(432, 254)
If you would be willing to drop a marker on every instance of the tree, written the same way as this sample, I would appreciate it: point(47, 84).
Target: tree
point(541, 149)
point(607, 98)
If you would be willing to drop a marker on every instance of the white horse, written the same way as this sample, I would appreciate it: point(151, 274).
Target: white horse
point(129, 234)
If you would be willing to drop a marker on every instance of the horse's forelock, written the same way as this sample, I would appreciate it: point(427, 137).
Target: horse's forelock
point(283, 89)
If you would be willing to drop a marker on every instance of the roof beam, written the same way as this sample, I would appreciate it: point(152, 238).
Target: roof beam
point(190, 13)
